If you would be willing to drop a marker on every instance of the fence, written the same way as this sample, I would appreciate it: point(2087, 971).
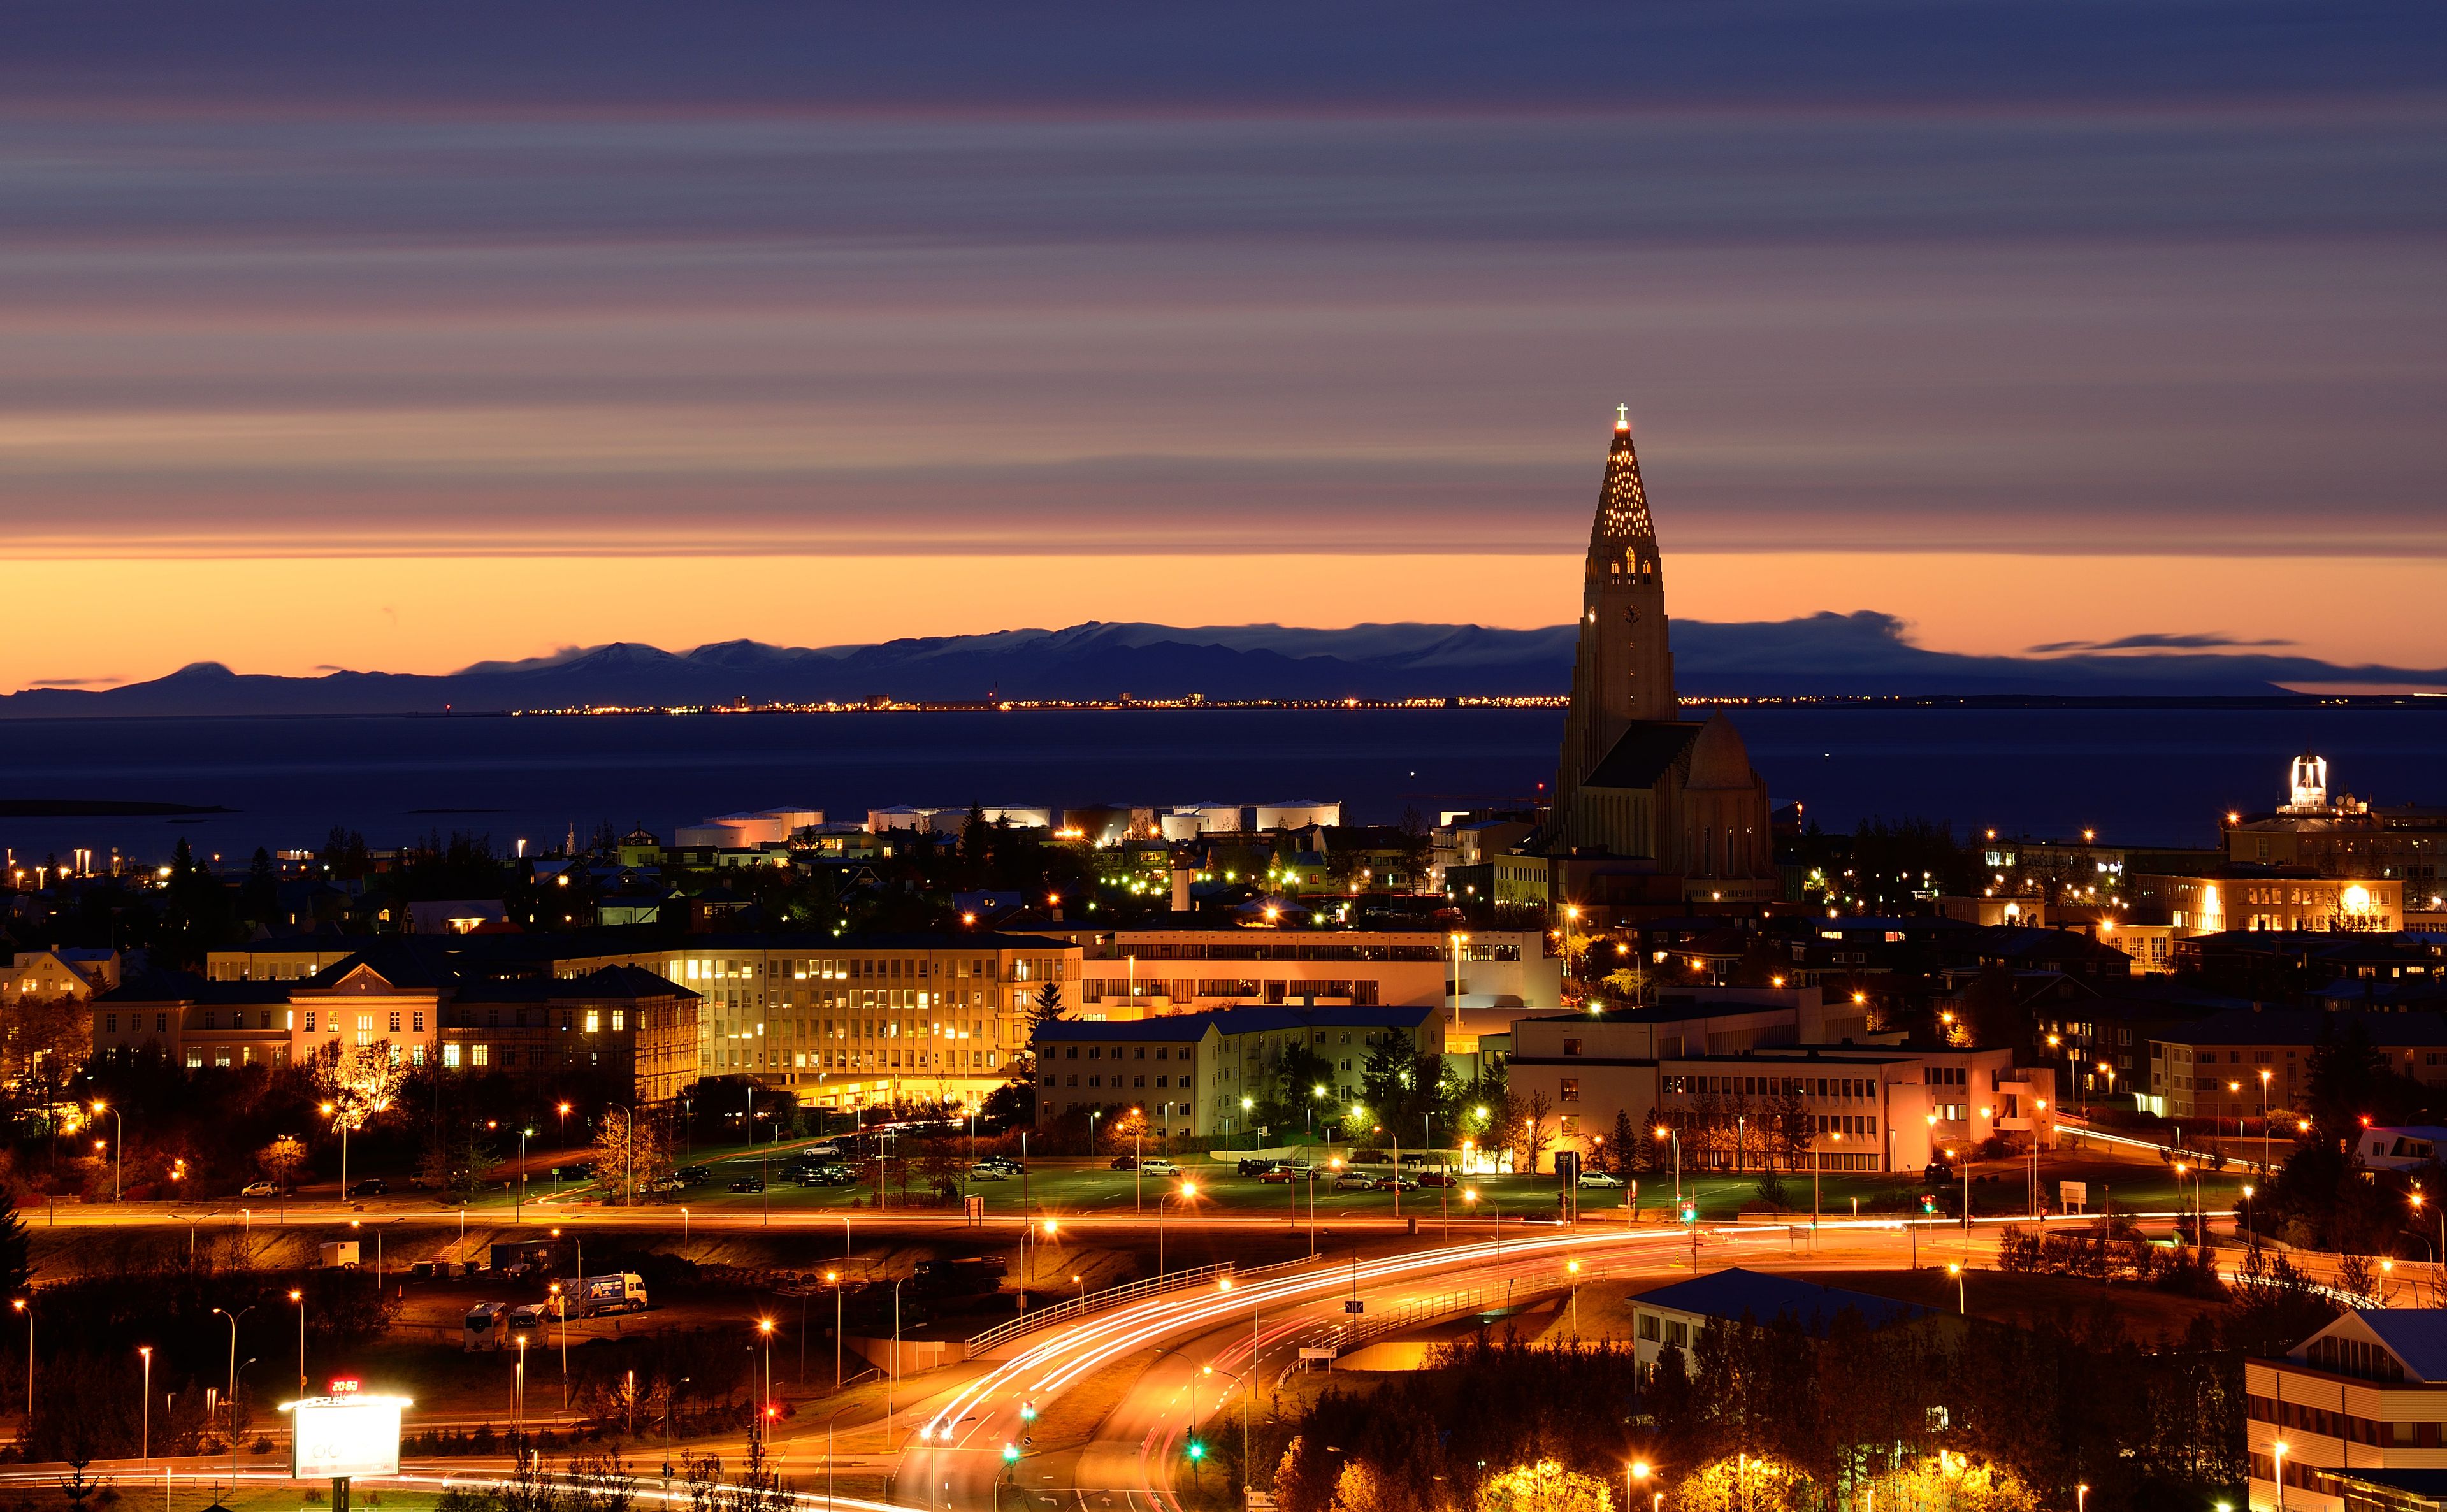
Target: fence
point(1078, 1307)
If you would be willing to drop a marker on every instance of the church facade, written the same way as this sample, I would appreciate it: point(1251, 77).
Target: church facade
point(1650, 807)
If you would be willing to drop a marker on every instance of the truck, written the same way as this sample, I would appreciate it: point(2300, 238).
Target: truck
point(622, 1292)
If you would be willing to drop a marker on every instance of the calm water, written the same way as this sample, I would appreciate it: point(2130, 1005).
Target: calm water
point(2137, 776)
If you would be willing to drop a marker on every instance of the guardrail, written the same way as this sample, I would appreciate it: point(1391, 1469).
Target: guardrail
point(1078, 1307)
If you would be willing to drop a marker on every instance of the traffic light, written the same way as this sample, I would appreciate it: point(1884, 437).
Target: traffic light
point(1197, 1450)
point(1690, 1212)
point(1928, 1203)
point(1028, 1411)
point(1011, 1454)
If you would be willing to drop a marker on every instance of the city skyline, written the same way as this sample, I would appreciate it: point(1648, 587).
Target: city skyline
point(358, 346)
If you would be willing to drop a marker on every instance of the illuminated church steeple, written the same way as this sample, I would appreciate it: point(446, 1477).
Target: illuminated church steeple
point(1623, 672)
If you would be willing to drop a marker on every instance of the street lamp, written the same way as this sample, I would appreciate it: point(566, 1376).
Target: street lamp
point(2265, 1074)
point(1636, 1471)
point(117, 1143)
point(764, 1412)
point(233, 1367)
point(1962, 1303)
point(1185, 1192)
point(300, 1298)
point(19, 1304)
point(145, 1442)
point(1665, 1131)
point(341, 1122)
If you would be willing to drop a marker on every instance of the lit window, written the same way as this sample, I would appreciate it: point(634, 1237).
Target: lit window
point(482, 1055)
point(594, 1020)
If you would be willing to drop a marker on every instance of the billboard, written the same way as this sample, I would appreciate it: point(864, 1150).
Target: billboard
point(343, 1435)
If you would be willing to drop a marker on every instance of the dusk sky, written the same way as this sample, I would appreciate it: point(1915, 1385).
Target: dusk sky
point(401, 338)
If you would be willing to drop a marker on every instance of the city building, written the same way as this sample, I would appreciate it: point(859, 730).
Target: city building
point(2344, 837)
point(2211, 1068)
point(1672, 1315)
point(2362, 1402)
point(1749, 1076)
point(76, 974)
point(2250, 897)
point(1140, 972)
point(847, 1021)
point(1190, 1073)
point(628, 1026)
point(1654, 810)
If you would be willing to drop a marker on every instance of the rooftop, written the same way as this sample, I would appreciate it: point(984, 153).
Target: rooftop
point(1737, 1292)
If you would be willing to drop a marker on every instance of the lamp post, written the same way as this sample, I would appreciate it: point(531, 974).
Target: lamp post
point(2039, 1115)
point(1666, 1131)
point(118, 1145)
point(2264, 1120)
point(1962, 1301)
point(834, 1276)
point(1185, 1191)
point(1636, 1471)
point(521, 1215)
point(22, 1306)
point(340, 1122)
point(300, 1298)
point(1573, 1267)
point(233, 1365)
point(518, 1397)
point(2278, 1451)
point(145, 1441)
point(765, 1408)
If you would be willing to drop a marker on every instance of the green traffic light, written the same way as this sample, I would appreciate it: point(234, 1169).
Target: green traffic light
point(1197, 1450)
point(1009, 1453)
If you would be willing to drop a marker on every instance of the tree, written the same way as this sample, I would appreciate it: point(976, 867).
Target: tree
point(629, 1158)
point(260, 898)
point(1045, 1008)
point(1546, 1487)
point(360, 1084)
point(17, 1249)
point(1525, 1128)
point(48, 1042)
point(1785, 1126)
point(1632, 983)
point(1630, 1145)
point(282, 1160)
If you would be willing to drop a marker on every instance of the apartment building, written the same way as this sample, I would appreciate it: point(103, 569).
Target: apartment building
point(847, 1021)
point(2232, 1065)
point(2353, 1413)
point(1721, 1073)
point(1128, 974)
point(46, 975)
point(1189, 1073)
point(624, 1025)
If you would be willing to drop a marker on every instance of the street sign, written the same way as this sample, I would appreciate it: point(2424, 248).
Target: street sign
point(2075, 1195)
point(1353, 1304)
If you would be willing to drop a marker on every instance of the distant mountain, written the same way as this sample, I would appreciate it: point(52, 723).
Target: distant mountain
point(1861, 653)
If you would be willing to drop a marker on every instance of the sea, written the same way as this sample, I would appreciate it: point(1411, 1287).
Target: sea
point(2141, 775)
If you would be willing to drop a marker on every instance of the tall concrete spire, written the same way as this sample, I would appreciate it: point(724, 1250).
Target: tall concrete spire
point(1623, 672)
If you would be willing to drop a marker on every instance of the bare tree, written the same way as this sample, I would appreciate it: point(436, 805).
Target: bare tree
point(1527, 1131)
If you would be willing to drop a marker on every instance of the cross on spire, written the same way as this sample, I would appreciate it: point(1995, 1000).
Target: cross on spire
point(1623, 417)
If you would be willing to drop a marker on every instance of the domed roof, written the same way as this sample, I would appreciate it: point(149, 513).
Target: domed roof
point(1718, 758)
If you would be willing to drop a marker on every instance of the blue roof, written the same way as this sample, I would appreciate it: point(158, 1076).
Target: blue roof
point(1730, 1294)
point(2416, 1335)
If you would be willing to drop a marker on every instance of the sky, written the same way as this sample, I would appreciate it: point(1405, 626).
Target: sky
point(403, 337)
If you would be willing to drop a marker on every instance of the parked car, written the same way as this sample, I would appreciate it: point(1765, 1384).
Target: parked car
point(1282, 1174)
point(259, 1189)
point(695, 1175)
point(371, 1186)
point(1256, 1166)
point(664, 1186)
point(1601, 1178)
point(982, 1172)
point(748, 1184)
point(1298, 1165)
point(1354, 1181)
point(1438, 1178)
point(1158, 1165)
point(1001, 1162)
point(1126, 1162)
point(1398, 1184)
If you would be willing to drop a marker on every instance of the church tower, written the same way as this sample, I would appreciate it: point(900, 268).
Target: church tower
point(1623, 672)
